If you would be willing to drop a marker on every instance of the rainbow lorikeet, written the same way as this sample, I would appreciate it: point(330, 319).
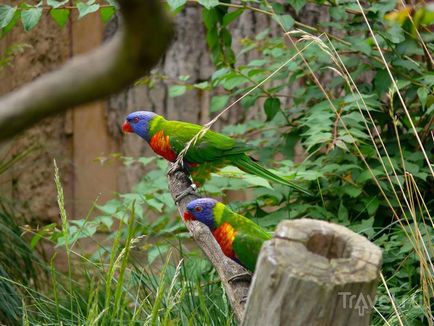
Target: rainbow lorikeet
point(239, 238)
point(213, 151)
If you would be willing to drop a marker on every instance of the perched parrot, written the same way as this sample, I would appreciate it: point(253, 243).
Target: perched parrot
point(212, 152)
point(239, 238)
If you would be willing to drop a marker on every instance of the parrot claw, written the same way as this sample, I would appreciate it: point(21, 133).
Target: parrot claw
point(177, 166)
point(242, 277)
point(190, 191)
point(244, 299)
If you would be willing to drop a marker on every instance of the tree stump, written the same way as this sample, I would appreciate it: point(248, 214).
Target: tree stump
point(314, 273)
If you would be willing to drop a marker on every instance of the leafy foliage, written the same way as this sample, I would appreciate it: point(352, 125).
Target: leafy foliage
point(30, 15)
point(357, 131)
point(349, 114)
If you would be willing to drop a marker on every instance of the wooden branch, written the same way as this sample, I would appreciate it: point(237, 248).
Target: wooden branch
point(314, 273)
point(236, 291)
point(145, 34)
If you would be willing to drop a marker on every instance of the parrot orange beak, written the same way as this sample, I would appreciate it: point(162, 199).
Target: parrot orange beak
point(188, 216)
point(126, 127)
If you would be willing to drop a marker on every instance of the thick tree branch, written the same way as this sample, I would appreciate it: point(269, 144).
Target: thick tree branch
point(236, 290)
point(145, 34)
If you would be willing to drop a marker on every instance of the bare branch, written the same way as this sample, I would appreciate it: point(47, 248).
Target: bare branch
point(226, 268)
point(145, 34)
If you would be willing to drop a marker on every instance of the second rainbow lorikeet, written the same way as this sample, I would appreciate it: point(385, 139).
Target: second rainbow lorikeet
point(211, 152)
point(239, 238)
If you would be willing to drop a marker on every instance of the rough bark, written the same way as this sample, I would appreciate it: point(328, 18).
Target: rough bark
point(132, 52)
point(314, 273)
point(226, 268)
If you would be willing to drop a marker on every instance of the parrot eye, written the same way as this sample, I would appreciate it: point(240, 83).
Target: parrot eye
point(198, 209)
point(136, 119)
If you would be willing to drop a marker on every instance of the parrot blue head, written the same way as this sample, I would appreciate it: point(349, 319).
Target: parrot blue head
point(139, 122)
point(201, 209)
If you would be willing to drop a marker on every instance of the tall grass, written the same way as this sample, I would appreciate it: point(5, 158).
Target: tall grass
point(18, 263)
point(119, 288)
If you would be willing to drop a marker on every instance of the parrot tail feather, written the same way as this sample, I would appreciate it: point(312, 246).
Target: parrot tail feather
point(246, 164)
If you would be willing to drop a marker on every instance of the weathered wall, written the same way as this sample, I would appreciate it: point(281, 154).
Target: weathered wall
point(31, 181)
point(75, 139)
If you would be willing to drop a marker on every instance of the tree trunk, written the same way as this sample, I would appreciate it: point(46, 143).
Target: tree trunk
point(314, 273)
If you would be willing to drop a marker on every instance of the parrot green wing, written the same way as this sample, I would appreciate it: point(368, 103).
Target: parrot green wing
point(214, 149)
point(248, 239)
point(212, 146)
point(246, 247)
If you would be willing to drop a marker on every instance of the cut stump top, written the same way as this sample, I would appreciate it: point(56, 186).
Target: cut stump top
point(325, 252)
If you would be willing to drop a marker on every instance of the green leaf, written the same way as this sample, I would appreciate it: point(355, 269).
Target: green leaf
point(11, 24)
point(422, 93)
point(111, 207)
point(202, 85)
point(372, 205)
point(271, 107)
point(338, 13)
point(231, 16)
point(219, 102)
point(395, 34)
point(285, 20)
point(233, 81)
point(184, 77)
point(210, 18)
point(86, 8)
point(362, 45)
point(257, 62)
point(56, 4)
point(60, 16)
point(208, 4)
point(351, 190)
point(155, 204)
point(220, 73)
point(382, 81)
point(6, 15)
point(30, 17)
point(177, 90)
point(342, 213)
point(146, 160)
point(175, 4)
point(257, 181)
point(407, 64)
point(107, 221)
point(249, 101)
point(107, 13)
point(297, 5)
point(112, 3)
point(365, 226)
